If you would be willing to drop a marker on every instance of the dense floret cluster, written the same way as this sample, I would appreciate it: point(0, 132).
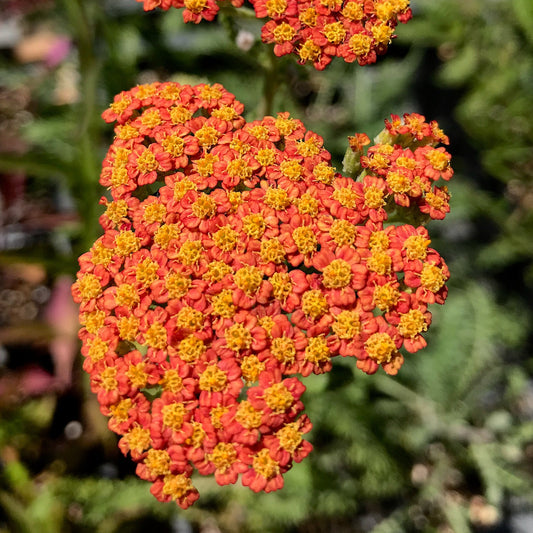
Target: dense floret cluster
point(315, 30)
point(234, 258)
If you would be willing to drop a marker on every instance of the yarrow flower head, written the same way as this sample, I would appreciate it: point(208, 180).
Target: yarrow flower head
point(315, 31)
point(235, 258)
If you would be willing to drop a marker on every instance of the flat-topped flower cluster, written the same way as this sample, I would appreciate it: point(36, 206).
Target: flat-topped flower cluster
point(234, 258)
point(314, 30)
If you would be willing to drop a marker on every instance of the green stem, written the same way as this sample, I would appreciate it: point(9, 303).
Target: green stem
point(270, 85)
point(85, 170)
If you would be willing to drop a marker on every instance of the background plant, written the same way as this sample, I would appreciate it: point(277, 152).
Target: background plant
point(445, 445)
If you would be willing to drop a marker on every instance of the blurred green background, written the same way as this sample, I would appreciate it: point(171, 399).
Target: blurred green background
point(446, 446)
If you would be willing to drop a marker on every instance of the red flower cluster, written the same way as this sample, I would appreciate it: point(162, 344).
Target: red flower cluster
point(234, 257)
point(315, 30)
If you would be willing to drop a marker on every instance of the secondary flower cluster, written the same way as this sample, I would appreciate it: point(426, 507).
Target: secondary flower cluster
point(314, 30)
point(235, 257)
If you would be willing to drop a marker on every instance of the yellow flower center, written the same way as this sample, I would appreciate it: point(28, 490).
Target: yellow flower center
point(137, 375)
point(189, 318)
point(305, 239)
point(278, 398)
point(308, 17)
point(191, 348)
point(398, 182)
point(195, 6)
point(248, 279)
point(151, 118)
point(94, 320)
point(147, 162)
point(337, 274)
point(138, 439)
point(346, 197)
point(198, 435)
point(174, 145)
point(283, 32)
point(120, 411)
point(434, 200)
point(317, 351)
point(171, 381)
point(190, 252)
point(432, 277)
point(226, 238)
point(412, 323)
point(179, 114)
point(181, 188)
point(209, 92)
point(128, 328)
point(334, 32)
point(121, 105)
point(266, 322)
point(126, 243)
point(223, 456)
point(238, 337)
point(254, 225)
point(415, 247)
point(314, 304)
point(154, 212)
point(360, 44)
point(126, 295)
point(251, 367)
point(283, 349)
point(223, 305)
point(374, 197)
point(177, 285)
point(100, 254)
point(353, 11)
point(165, 234)
point(97, 349)
point(248, 416)
point(264, 465)
point(117, 211)
point(207, 136)
point(285, 126)
point(406, 162)
point(108, 378)
point(213, 379)
point(347, 325)
point(343, 232)
point(380, 347)
point(289, 437)
point(307, 205)
point(239, 168)
point(272, 250)
point(276, 7)
point(216, 270)
point(379, 262)
point(324, 173)
point(266, 157)
point(438, 160)
point(277, 198)
point(158, 462)
point(173, 415)
point(89, 286)
point(177, 486)
point(385, 297)
point(382, 33)
point(309, 51)
point(204, 206)
point(291, 169)
point(216, 415)
point(146, 272)
point(281, 285)
point(378, 241)
point(156, 336)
